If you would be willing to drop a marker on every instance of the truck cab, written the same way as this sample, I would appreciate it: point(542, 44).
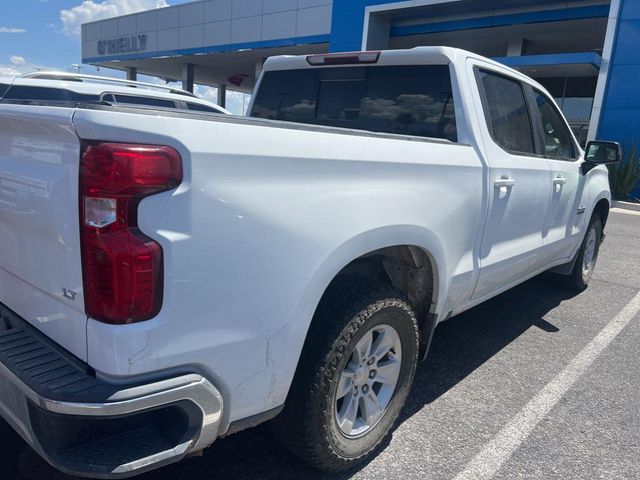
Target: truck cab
point(170, 276)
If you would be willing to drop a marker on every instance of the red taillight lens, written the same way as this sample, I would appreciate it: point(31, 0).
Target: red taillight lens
point(122, 267)
point(349, 58)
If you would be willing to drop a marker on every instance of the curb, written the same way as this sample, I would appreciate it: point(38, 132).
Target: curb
point(626, 205)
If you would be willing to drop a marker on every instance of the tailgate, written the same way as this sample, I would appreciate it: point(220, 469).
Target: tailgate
point(40, 258)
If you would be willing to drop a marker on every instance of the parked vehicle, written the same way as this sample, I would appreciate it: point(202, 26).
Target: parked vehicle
point(4, 84)
point(73, 87)
point(170, 277)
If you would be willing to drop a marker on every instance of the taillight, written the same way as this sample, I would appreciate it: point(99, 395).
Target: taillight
point(349, 58)
point(122, 267)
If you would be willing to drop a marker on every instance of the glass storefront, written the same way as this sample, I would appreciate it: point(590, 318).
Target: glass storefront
point(574, 96)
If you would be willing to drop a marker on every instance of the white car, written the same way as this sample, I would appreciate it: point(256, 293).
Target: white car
point(72, 87)
point(168, 278)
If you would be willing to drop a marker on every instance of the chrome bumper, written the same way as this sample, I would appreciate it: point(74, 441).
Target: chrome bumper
point(52, 414)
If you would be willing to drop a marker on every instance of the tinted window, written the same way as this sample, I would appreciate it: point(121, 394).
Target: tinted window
point(574, 95)
point(202, 108)
point(506, 112)
point(18, 92)
point(147, 101)
point(411, 100)
point(3, 88)
point(557, 139)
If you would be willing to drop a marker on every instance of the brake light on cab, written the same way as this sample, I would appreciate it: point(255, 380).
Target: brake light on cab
point(122, 267)
point(349, 58)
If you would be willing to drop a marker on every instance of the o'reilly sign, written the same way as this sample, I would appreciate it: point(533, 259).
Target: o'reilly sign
point(133, 43)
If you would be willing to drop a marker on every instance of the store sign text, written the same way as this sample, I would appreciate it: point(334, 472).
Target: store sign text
point(133, 43)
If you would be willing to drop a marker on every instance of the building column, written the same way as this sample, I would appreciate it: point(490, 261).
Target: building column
point(188, 77)
point(259, 67)
point(613, 113)
point(377, 31)
point(132, 74)
point(222, 95)
point(515, 47)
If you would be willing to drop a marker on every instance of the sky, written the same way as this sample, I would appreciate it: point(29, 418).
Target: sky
point(45, 34)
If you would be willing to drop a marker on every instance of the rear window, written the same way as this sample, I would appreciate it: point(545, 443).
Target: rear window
point(408, 100)
point(18, 92)
point(147, 101)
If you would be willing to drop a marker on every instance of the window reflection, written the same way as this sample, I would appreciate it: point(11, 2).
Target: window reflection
point(409, 100)
point(574, 96)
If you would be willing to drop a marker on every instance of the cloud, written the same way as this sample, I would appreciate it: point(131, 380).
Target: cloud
point(237, 102)
point(8, 71)
point(17, 60)
point(90, 11)
point(19, 65)
point(12, 30)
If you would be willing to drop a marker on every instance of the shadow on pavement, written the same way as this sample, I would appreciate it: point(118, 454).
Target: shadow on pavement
point(464, 343)
point(460, 346)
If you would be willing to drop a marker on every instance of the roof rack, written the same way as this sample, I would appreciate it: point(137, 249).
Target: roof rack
point(79, 77)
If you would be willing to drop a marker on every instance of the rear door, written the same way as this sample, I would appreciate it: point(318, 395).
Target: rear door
point(40, 260)
point(519, 182)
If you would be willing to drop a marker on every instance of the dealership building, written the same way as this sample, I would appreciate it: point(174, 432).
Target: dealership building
point(585, 52)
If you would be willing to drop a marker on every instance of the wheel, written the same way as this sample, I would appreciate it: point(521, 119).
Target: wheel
point(354, 376)
point(587, 258)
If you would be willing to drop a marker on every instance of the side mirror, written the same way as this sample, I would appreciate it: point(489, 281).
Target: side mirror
point(604, 153)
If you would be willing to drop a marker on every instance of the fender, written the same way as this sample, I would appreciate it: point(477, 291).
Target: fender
point(597, 183)
point(367, 242)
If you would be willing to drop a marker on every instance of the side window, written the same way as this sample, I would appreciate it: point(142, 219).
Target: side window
point(557, 139)
point(506, 112)
point(3, 88)
point(147, 101)
point(201, 108)
point(18, 92)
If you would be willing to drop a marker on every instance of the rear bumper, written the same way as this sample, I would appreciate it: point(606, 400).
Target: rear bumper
point(90, 428)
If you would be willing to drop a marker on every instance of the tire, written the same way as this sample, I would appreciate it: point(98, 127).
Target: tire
point(587, 256)
point(353, 312)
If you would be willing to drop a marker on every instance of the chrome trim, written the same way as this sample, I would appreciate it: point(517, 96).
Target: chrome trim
point(195, 389)
point(67, 76)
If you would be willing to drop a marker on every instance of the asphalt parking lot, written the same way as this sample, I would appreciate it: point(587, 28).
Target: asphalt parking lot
point(538, 383)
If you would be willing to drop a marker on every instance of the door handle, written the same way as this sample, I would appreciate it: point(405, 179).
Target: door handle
point(504, 182)
point(559, 180)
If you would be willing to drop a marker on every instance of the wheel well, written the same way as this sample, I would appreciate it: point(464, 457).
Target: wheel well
point(602, 209)
point(407, 268)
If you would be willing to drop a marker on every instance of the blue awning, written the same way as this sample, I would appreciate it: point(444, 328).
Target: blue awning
point(583, 58)
point(581, 64)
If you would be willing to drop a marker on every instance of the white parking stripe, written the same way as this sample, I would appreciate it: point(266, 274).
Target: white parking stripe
point(624, 210)
point(494, 454)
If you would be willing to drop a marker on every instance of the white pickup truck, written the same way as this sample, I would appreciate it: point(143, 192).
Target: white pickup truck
point(171, 277)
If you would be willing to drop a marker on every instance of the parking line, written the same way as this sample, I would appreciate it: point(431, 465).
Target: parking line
point(495, 453)
point(626, 211)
